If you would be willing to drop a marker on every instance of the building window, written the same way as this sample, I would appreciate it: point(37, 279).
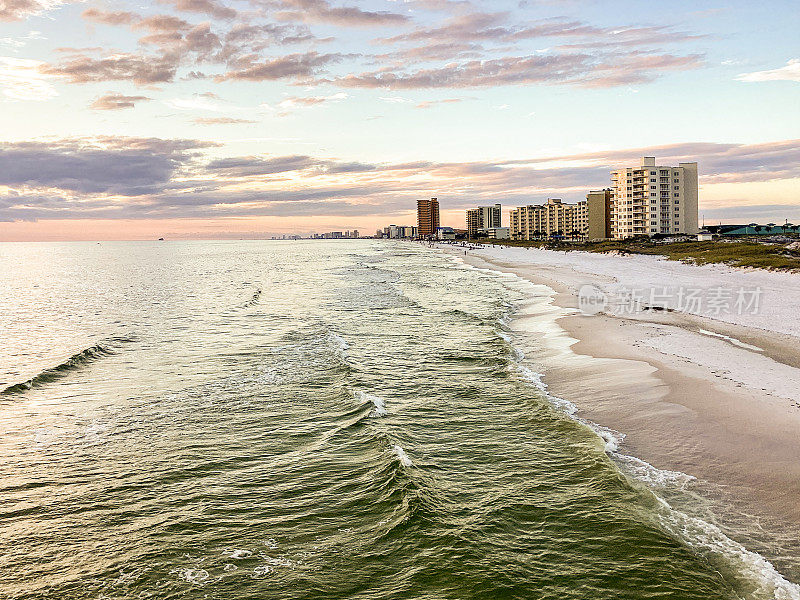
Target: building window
point(677, 195)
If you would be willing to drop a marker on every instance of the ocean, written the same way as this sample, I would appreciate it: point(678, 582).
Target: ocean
point(314, 419)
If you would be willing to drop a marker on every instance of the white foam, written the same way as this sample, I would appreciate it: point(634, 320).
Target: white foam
point(401, 454)
point(756, 571)
point(378, 402)
point(239, 554)
point(261, 571)
point(193, 576)
point(340, 341)
point(651, 475)
point(278, 562)
point(732, 340)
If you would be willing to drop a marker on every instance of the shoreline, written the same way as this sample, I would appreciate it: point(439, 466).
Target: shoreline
point(684, 392)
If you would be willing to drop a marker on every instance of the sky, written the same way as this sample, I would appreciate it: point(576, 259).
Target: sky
point(254, 118)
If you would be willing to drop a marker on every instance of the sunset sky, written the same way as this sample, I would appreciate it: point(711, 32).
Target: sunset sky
point(207, 118)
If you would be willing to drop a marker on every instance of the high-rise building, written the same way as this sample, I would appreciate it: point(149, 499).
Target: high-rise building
point(483, 217)
point(652, 199)
point(427, 217)
point(554, 218)
point(595, 215)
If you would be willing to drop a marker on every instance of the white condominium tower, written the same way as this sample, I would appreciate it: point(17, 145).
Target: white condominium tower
point(483, 217)
point(652, 199)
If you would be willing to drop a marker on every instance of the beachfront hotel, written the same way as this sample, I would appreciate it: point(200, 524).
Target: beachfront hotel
point(553, 218)
point(483, 217)
point(652, 199)
point(427, 217)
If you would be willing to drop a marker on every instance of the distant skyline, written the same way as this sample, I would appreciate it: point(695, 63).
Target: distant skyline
point(205, 118)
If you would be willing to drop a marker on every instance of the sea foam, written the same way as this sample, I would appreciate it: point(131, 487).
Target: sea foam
point(402, 456)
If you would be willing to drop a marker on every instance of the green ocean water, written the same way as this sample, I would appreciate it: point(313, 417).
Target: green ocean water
point(355, 419)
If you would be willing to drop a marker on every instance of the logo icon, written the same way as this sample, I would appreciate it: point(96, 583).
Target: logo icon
point(591, 300)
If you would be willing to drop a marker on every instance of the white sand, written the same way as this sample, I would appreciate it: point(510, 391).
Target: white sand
point(716, 396)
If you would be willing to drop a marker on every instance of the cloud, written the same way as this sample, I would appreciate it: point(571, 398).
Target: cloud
point(432, 103)
point(321, 11)
point(495, 27)
point(208, 7)
point(117, 102)
point(22, 79)
point(572, 69)
point(151, 178)
point(789, 72)
point(17, 10)
point(283, 67)
point(291, 103)
point(220, 121)
point(206, 102)
point(758, 213)
point(141, 70)
point(105, 17)
point(124, 166)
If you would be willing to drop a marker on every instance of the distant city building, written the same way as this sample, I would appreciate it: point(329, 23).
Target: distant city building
point(399, 232)
point(652, 199)
point(333, 235)
point(551, 219)
point(427, 217)
point(483, 217)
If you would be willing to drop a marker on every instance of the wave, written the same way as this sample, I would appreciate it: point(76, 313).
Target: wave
point(377, 402)
point(74, 362)
point(339, 341)
point(254, 298)
point(753, 572)
point(397, 449)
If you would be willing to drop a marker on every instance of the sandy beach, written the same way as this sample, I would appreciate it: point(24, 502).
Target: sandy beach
point(715, 396)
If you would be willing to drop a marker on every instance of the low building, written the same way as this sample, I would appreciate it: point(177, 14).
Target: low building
point(495, 233)
point(753, 229)
point(445, 233)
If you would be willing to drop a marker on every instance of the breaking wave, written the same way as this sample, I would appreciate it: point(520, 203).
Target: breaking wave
point(74, 362)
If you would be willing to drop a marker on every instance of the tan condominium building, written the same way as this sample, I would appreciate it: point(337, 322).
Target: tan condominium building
point(483, 217)
point(653, 199)
point(427, 217)
point(595, 219)
point(553, 218)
